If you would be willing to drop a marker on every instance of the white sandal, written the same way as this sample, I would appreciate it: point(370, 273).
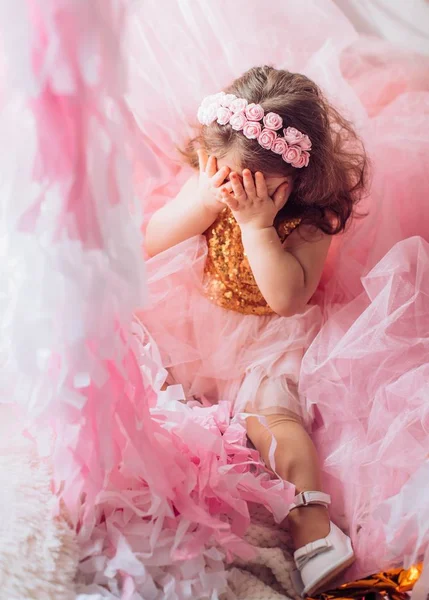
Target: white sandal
point(321, 561)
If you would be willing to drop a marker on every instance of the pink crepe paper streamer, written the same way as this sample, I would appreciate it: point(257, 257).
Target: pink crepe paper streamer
point(68, 106)
point(158, 499)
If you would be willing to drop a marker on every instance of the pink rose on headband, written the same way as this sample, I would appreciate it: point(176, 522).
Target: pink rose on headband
point(280, 146)
point(223, 115)
point(238, 121)
point(267, 138)
point(302, 161)
point(252, 130)
point(238, 105)
point(292, 155)
point(292, 135)
point(305, 143)
point(254, 112)
point(273, 121)
point(228, 99)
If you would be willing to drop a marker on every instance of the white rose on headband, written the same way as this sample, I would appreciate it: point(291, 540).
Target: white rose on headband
point(292, 135)
point(206, 115)
point(223, 115)
point(254, 112)
point(292, 155)
point(302, 161)
point(273, 121)
point(238, 121)
point(201, 115)
point(219, 97)
point(208, 100)
point(215, 99)
point(305, 143)
point(252, 130)
point(227, 99)
point(210, 114)
point(280, 146)
point(267, 138)
point(238, 105)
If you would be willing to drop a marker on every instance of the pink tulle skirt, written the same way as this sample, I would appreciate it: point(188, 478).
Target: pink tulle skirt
point(367, 373)
point(253, 362)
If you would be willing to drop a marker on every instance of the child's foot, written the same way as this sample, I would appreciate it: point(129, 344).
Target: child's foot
point(308, 524)
point(322, 550)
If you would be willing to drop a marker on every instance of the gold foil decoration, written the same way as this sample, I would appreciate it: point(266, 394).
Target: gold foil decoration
point(408, 578)
point(387, 585)
point(228, 278)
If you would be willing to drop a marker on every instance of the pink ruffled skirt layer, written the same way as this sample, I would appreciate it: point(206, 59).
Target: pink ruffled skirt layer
point(253, 362)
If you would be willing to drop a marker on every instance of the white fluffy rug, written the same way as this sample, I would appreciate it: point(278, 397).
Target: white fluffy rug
point(269, 576)
point(38, 553)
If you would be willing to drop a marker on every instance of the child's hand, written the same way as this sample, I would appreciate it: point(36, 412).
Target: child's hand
point(250, 203)
point(210, 182)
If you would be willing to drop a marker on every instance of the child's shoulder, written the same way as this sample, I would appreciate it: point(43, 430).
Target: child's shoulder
point(307, 236)
point(310, 247)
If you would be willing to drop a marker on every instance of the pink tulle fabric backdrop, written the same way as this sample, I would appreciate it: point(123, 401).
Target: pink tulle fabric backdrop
point(98, 96)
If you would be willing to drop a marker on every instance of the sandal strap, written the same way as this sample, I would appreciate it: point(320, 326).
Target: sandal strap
point(306, 498)
point(303, 555)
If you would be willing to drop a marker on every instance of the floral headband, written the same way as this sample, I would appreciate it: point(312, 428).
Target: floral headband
point(293, 146)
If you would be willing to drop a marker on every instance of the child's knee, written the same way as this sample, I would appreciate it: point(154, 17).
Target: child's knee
point(263, 430)
point(258, 433)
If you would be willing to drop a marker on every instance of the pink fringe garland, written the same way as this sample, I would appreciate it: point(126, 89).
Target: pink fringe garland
point(159, 498)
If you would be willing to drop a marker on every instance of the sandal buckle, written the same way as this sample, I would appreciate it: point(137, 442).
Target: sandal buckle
point(307, 498)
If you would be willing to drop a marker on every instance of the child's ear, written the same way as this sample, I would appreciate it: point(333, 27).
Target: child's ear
point(289, 181)
point(287, 184)
point(281, 195)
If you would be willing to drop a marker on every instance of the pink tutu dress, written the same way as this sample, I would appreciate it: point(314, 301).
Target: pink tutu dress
point(359, 353)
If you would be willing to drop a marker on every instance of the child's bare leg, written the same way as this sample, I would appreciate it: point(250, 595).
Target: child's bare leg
point(295, 461)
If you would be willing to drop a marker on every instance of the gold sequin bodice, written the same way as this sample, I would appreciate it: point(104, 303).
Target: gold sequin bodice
point(228, 278)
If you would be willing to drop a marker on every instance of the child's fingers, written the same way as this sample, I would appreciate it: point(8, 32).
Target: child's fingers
point(237, 187)
point(249, 184)
point(261, 185)
point(281, 195)
point(220, 176)
point(229, 200)
point(227, 186)
point(211, 167)
point(202, 159)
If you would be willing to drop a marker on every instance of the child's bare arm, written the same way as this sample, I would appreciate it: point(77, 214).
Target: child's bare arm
point(193, 210)
point(287, 277)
